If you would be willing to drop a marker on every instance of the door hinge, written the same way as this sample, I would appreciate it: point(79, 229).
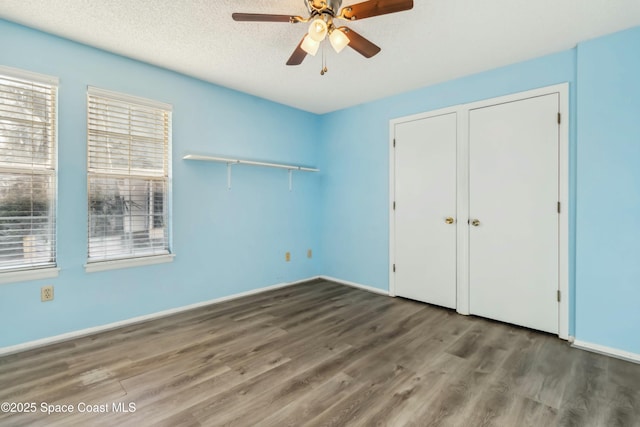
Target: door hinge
point(394, 268)
point(559, 296)
point(394, 142)
point(559, 207)
point(559, 118)
point(394, 206)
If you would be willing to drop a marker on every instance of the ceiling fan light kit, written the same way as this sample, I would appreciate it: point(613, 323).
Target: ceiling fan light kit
point(309, 45)
point(338, 40)
point(321, 16)
point(318, 29)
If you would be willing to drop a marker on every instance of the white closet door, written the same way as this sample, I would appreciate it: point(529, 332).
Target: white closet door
point(513, 195)
point(425, 195)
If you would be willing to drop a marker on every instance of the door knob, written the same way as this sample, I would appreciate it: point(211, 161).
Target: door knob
point(449, 220)
point(475, 222)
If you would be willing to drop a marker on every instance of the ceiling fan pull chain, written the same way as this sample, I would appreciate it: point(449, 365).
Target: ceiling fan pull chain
point(324, 69)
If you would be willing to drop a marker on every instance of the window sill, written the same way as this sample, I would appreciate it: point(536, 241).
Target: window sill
point(26, 275)
point(93, 267)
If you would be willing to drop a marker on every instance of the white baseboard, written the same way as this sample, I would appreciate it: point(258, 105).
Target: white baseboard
point(607, 351)
point(355, 285)
point(4, 351)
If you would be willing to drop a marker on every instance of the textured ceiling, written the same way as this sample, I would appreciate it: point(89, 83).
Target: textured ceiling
point(436, 41)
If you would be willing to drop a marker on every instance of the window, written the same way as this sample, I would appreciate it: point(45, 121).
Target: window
point(27, 170)
point(128, 146)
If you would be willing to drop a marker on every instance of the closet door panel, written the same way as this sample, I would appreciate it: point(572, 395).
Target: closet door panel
point(513, 195)
point(425, 196)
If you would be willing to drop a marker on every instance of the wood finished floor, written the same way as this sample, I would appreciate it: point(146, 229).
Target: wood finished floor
point(323, 354)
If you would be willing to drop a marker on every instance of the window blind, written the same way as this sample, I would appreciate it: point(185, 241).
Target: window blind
point(27, 171)
point(128, 176)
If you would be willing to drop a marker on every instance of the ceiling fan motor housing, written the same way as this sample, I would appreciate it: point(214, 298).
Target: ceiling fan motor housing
point(334, 5)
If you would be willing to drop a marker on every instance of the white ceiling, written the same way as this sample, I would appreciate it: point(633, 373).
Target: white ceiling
point(436, 41)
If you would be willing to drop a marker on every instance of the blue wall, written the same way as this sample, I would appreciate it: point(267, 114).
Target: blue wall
point(608, 209)
point(225, 242)
point(355, 216)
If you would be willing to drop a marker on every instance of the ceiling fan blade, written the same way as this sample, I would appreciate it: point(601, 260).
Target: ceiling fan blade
point(358, 43)
point(298, 55)
point(261, 17)
point(372, 8)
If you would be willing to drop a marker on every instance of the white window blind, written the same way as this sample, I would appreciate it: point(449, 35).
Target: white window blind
point(128, 176)
point(27, 170)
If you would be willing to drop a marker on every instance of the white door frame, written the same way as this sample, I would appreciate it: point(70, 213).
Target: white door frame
point(462, 208)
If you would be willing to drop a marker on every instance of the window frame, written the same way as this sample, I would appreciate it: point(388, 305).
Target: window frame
point(50, 269)
point(95, 265)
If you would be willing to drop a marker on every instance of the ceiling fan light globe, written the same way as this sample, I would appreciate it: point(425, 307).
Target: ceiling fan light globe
point(310, 46)
point(338, 40)
point(318, 30)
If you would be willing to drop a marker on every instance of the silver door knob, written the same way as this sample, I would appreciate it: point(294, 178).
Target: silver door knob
point(475, 222)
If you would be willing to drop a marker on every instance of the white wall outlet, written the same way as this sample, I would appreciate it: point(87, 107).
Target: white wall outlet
point(46, 293)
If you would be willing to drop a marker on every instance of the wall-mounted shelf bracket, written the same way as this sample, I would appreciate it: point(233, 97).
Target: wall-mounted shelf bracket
point(230, 162)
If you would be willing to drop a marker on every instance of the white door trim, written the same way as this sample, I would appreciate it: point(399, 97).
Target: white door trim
point(462, 209)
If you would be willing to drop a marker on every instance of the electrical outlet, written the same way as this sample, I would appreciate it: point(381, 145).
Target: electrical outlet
point(309, 253)
point(287, 256)
point(46, 293)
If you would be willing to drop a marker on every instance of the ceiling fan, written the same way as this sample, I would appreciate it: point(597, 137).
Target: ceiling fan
point(322, 14)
